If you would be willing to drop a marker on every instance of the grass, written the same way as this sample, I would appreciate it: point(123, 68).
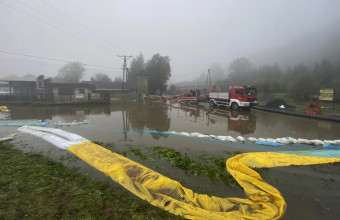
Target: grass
point(208, 166)
point(32, 186)
point(215, 169)
point(204, 165)
point(35, 187)
point(284, 96)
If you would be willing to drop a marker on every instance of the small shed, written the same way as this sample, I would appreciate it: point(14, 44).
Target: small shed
point(61, 92)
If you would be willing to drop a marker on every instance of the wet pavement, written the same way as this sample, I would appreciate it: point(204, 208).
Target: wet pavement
point(312, 190)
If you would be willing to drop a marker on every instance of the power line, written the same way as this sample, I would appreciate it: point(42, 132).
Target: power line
point(9, 6)
point(52, 19)
point(76, 22)
point(52, 59)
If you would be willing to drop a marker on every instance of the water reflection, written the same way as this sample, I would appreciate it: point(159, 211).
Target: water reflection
point(140, 118)
point(243, 122)
point(153, 116)
point(68, 113)
point(194, 113)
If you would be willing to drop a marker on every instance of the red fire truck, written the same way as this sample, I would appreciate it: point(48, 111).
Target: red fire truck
point(236, 97)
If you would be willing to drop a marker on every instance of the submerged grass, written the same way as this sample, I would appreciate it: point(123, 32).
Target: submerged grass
point(35, 187)
point(206, 166)
point(215, 170)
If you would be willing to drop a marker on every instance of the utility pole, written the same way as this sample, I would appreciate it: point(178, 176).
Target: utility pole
point(125, 58)
point(206, 82)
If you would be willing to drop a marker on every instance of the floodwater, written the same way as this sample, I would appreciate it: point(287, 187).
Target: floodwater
point(311, 191)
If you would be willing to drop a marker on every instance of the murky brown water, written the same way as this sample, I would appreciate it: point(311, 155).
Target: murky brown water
point(138, 117)
point(310, 191)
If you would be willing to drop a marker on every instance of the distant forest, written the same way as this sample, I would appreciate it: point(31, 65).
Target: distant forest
point(301, 82)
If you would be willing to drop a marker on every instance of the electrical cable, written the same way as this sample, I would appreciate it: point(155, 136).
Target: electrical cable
point(43, 14)
point(9, 6)
point(79, 24)
point(52, 59)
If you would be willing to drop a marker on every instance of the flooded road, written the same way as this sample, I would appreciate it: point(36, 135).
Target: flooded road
point(134, 125)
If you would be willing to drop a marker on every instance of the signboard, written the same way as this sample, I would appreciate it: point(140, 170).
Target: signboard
point(326, 95)
point(142, 84)
point(80, 96)
point(4, 90)
point(95, 95)
point(40, 84)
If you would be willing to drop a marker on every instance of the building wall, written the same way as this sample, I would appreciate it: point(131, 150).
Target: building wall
point(75, 95)
point(24, 88)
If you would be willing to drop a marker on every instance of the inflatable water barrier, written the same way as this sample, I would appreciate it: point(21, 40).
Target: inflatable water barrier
point(42, 123)
point(4, 108)
point(262, 201)
point(262, 141)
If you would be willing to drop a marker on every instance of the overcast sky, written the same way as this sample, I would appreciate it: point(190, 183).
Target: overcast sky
point(193, 33)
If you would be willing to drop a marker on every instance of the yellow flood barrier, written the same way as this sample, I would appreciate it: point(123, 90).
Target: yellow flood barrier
point(3, 108)
point(263, 200)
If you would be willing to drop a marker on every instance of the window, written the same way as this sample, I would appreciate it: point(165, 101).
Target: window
point(250, 91)
point(239, 91)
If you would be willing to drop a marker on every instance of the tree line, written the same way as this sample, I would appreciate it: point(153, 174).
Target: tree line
point(157, 69)
point(300, 81)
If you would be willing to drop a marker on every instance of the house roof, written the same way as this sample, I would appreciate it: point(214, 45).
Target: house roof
point(21, 79)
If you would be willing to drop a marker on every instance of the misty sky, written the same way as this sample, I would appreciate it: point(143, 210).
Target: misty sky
point(193, 33)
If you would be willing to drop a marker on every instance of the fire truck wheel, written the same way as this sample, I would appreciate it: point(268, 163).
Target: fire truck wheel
point(234, 106)
point(212, 103)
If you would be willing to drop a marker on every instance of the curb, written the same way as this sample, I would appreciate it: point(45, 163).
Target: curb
point(297, 114)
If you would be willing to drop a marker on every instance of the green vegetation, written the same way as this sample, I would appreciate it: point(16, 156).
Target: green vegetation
point(157, 69)
point(300, 82)
point(138, 153)
point(35, 187)
point(205, 166)
point(281, 95)
point(215, 169)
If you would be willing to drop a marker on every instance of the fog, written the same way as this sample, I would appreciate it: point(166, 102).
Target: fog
point(195, 34)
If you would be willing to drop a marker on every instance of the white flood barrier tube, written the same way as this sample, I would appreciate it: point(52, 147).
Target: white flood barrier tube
point(252, 139)
point(231, 139)
point(283, 140)
point(195, 134)
point(223, 138)
point(240, 138)
point(185, 133)
point(329, 142)
point(70, 136)
point(203, 136)
point(317, 142)
point(62, 139)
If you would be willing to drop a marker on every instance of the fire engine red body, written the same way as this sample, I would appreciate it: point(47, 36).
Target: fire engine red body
point(236, 97)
